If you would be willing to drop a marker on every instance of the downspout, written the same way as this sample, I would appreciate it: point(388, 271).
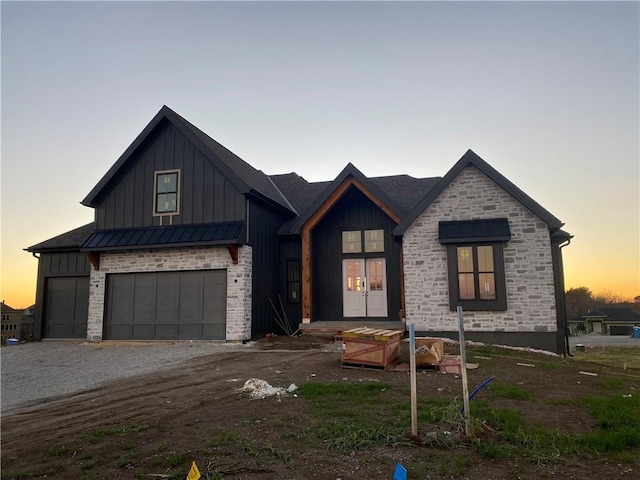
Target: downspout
point(566, 320)
point(35, 255)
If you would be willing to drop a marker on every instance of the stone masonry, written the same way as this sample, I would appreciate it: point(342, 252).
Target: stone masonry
point(198, 258)
point(527, 258)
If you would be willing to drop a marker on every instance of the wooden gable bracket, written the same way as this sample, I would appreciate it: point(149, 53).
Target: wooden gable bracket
point(94, 258)
point(233, 251)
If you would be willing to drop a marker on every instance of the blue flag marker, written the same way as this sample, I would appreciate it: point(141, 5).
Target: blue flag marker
point(400, 473)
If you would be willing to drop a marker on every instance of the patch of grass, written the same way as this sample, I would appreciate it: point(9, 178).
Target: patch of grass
point(618, 421)
point(618, 357)
point(348, 438)
point(223, 438)
point(171, 460)
point(58, 451)
point(268, 451)
point(21, 474)
point(502, 390)
point(610, 383)
point(95, 435)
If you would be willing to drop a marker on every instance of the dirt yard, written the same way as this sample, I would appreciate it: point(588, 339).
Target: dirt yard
point(154, 426)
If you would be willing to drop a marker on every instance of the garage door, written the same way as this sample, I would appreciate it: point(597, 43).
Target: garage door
point(620, 329)
point(166, 306)
point(66, 307)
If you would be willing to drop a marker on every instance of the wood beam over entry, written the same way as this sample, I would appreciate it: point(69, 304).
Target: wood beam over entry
point(314, 219)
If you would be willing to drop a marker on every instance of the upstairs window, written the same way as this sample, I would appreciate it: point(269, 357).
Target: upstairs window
point(167, 190)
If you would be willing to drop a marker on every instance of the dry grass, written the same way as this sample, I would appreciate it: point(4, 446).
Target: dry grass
point(623, 358)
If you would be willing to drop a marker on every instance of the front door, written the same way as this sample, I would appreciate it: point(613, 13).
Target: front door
point(364, 287)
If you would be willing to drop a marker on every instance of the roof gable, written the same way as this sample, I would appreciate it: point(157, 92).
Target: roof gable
point(246, 178)
point(470, 159)
point(350, 176)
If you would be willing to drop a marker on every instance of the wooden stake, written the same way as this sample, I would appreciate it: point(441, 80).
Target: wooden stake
point(414, 389)
point(463, 370)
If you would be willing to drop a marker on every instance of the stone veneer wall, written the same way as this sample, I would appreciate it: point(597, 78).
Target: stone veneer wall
point(527, 261)
point(196, 258)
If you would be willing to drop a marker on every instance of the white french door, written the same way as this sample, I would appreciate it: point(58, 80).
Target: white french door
point(364, 287)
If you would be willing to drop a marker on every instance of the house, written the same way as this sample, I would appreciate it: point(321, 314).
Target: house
point(27, 316)
point(191, 242)
point(607, 321)
point(11, 323)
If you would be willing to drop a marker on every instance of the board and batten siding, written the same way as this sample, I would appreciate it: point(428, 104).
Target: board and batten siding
point(354, 211)
point(264, 223)
point(289, 248)
point(56, 264)
point(531, 303)
point(206, 195)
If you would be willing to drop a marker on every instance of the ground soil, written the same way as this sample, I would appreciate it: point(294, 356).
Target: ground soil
point(154, 426)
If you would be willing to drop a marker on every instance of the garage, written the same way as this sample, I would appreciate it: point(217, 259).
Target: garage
point(184, 305)
point(66, 307)
point(620, 329)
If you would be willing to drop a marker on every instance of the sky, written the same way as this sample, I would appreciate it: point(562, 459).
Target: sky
point(545, 92)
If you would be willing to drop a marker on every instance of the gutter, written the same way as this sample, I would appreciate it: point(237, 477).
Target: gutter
point(566, 328)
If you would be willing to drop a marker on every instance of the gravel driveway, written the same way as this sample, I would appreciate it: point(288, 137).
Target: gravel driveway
point(597, 340)
point(40, 370)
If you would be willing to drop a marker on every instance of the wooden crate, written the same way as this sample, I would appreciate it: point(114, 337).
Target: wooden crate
point(370, 347)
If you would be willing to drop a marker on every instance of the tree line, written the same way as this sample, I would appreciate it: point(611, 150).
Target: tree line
point(580, 300)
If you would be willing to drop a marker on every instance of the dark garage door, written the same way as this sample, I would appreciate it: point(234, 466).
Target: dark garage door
point(620, 329)
point(167, 305)
point(66, 307)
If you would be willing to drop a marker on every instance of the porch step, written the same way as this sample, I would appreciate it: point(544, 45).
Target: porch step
point(335, 329)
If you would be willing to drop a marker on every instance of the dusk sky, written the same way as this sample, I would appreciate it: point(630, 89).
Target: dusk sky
point(546, 92)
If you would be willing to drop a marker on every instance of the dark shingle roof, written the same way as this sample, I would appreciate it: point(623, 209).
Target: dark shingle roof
point(405, 190)
point(471, 159)
point(298, 191)
point(221, 233)
point(257, 180)
point(615, 314)
point(70, 240)
point(244, 176)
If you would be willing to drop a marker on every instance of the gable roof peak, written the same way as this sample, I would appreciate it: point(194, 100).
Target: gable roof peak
point(470, 158)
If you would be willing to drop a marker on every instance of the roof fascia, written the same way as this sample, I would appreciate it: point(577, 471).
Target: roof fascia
point(334, 191)
point(470, 158)
point(181, 125)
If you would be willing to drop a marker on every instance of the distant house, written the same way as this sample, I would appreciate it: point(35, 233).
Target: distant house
point(607, 321)
point(11, 323)
point(191, 242)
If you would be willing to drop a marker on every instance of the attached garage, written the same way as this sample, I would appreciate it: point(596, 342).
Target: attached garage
point(185, 305)
point(66, 307)
point(620, 329)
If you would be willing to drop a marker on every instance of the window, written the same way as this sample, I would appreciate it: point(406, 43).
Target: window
point(476, 263)
point(5, 317)
point(476, 277)
point(166, 192)
point(352, 242)
point(293, 281)
point(373, 241)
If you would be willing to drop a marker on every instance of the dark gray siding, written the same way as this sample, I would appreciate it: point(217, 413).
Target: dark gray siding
point(206, 195)
point(289, 249)
point(58, 265)
point(354, 211)
point(264, 223)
